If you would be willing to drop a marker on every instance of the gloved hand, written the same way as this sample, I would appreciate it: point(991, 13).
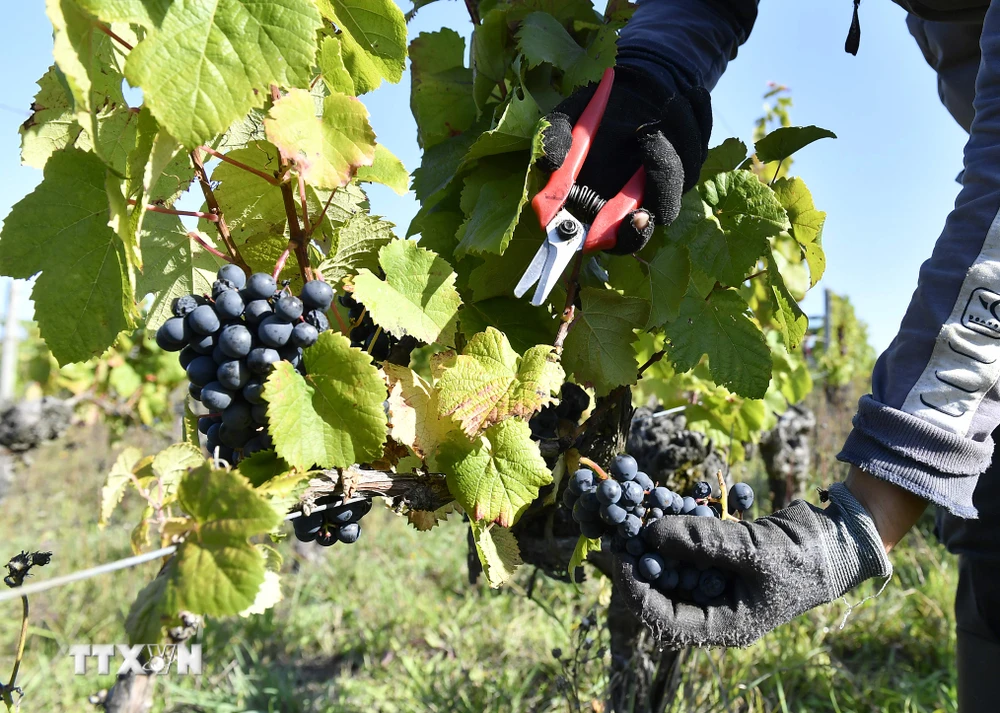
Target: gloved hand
point(644, 125)
point(783, 565)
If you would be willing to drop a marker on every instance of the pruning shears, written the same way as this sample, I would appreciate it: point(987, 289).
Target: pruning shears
point(559, 204)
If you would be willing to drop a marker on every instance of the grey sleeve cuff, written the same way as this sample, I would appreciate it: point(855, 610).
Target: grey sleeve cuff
point(855, 548)
point(907, 451)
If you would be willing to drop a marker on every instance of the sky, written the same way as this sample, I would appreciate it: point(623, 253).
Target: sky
point(887, 182)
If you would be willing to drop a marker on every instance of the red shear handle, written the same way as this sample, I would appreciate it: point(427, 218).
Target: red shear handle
point(603, 233)
point(551, 199)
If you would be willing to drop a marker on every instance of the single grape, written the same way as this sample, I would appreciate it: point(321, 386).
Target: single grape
point(317, 294)
point(327, 536)
point(624, 467)
point(740, 497)
point(259, 414)
point(289, 308)
point(631, 493)
point(233, 273)
point(689, 578)
point(584, 514)
point(318, 320)
point(236, 417)
point(688, 505)
point(590, 501)
point(667, 581)
point(304, 335)
point(635, 546)
point(382, 344)
point(201, 371)
point(349, 533)
point(253, 390)
point(676, 504)
point(203, 343)
point(262, 359)
point(220, 287)
point(235, 341)
point(255, 311)
point(273, 331)
point(291, 354)
point(187, 356)
point(212, 434)
point(359, 335)
point(569, 498)
point(229, 305)
point(234, 437)
point(195, 391)
point(582, 481)
point(639, 511)
point(712, 583)
point(650, 566)
point(224, 453)
point(701, 490)
point(184, 305)
point(206, 422)
point(215, 396)
point(233, 374)
point(703, 511)
point(653, 514)
point(308, 526)
point(630, 526)
point(613, 514)
point(173, 335)
point(645, 481)
point(660, 498)
point(260, 286)
point(346, 300)
point(203, 320)
point(609, 491)
point(592, 529)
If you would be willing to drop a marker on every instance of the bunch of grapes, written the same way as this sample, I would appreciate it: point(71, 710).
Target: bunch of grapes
point(230, 341)
point(365, 334)
point(554, 426)
point(620, 506)
point(341, 523)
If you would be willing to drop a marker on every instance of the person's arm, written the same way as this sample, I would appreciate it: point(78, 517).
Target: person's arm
point(893, 509)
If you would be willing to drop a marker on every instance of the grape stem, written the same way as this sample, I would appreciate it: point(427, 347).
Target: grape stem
point(584, 460)
point(107, 30)
point(239, 164)
point(340, 320)
point(724, 500)
point(378, 333)
point(210, 217)
point(280, 264)
point(204, 244)
point(652, 360)
point(214, 209)
point(323, 213)
point(11, 688)
point(298, 240)
point(569, 310)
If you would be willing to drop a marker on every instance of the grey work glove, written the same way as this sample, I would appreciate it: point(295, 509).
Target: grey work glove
point(783, 565)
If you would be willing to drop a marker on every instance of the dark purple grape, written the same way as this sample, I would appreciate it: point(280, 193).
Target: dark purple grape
point(653, 514)
point(701, 490)
point(234, 437)
point(274, 331)
point(194, 391)
point(233, 374)
point(289, 308)
point(187, 356)
point(327, 536)
point(184, 305)
point(650, 566)
point(229, 305)
point(203, 320)
point(253, 391)
point(630, 527)
point(635, 546)
point(676, 504)
point(689, 578)
point(703, 511)
point(380, 349)
point(613, 514)
point(688, 505)
point(317, 294)
point(712, 583)
point(259, 414)
point(255, 311)
point(645, 481)
point(592, 529)
point(304, 335)
point(212, 434)
point(201, 371)
point(582, 481)
point(235, 341)
point(236, 417)
point(260, 286)
point(254, 445)
point(346, 300)
point(569, 498)
point(318, 320)
point(740, 497)
point(590, 501)
point(224, 453)
point(262, 359)
point(206, 422)
point(660, 498)
point(631, 493)
point(220, 287)
point(609, 491)
point(584, 514)
point(308, 527)
point(215, 397)
point(667, 581)
point(234, 274)
point(173, 335)
point(349, 533)
point(624, 467)
point(203, 343)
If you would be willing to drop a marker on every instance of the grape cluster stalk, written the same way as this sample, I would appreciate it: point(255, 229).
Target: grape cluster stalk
point(620, 505)
point(231, 340)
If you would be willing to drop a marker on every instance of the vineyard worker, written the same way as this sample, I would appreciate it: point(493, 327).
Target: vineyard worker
point(924, 433)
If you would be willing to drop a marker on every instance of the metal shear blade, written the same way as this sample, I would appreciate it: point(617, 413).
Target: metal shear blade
point(552, 257)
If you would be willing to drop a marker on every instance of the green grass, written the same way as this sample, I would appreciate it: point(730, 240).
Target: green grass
point(392, 624)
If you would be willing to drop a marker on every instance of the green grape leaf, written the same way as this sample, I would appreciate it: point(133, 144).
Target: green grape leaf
point(524, 325)
point(542, 38)
point(786, 140)
point(52, 124)
point(331, 64)
point(417, 297)
point(584, 546)
point(661, 280)
point(441, 92)
point(168, 467)
point(492, 54)
point(373, 33)
point(263, 466)
point(440, 163)
point(795, 198)
point(791, 320)
point(124, 380)
point(387, 170)
point(216, 571)
point(148, 13)
point(251, 204)
point(414, 412)
point(333, 416)
point(514, 132)
point(356, 246)
point(190, 425)
point(117, 483)
point(327, 151)
point(498, 551)
point(599, 349)
point(744, 214)
point(231, 51)
point(437, 231)
point(492, 200)
point(262, 252)
point(496, 476)
point(719, 326)
point(497, 275)
point(723, 158)
point(174, 266)
point(489, 382)
point(82, 298)
point(815, 258)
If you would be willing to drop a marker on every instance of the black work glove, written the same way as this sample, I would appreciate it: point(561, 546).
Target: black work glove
point(644, 125)
point(782, 566)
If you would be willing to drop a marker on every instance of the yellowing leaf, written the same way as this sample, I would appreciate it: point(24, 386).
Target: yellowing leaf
point(498, 551)
point(413, 412)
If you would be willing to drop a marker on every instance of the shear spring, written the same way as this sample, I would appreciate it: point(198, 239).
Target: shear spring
point(584, 202)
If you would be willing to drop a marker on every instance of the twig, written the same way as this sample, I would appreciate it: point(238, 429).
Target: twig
point(239, 164)
point(107, 30)
point(756, 274)
point(280, 265)
point(201, 241)
point(584, 460)
point(213, 206)
point(569, 311)
point(9, 690)
point(298, 241)
point(323, 214)
point(649, 362)
point(470, 5)
point(211, 217)
point(306, 228)
point(340, 320)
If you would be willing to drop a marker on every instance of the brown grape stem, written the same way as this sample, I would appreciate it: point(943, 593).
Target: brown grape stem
point(584, 460)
